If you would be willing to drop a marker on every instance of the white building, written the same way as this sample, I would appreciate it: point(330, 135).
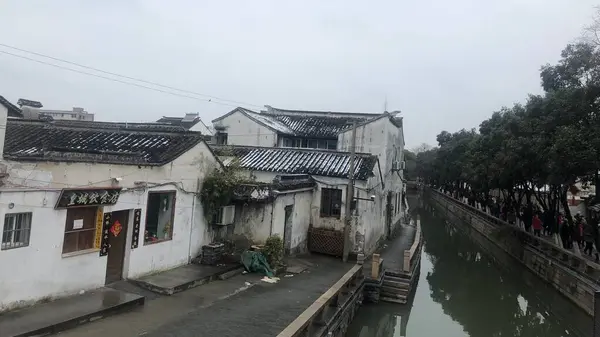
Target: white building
point(320, 202)
point(190, 122)
point(30, 107)
point(86, 204)
point(279, 142)
point(77, 114)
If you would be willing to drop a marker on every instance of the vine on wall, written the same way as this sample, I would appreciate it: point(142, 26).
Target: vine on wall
point(218, 189)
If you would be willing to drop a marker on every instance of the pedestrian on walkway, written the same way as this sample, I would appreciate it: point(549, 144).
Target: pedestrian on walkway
point(578, 230)
point(588, 237)
point(536, 224)
point(566, 234)
point(512, 217)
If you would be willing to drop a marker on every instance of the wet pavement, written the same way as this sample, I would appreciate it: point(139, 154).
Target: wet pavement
point(184, 277)
point(240, 306)
point(393, 251)
point(65, 313)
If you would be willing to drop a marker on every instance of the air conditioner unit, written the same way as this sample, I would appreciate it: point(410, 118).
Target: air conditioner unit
point(394, 166)
point(225, 216)
point(403, 165)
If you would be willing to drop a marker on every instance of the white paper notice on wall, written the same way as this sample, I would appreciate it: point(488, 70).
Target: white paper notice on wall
point(78, 224)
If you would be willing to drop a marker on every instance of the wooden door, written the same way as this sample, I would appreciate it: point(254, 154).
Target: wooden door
point(287, 229)
point(116, 251)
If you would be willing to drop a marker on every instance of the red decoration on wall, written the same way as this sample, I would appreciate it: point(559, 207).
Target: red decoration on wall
point(116, 228)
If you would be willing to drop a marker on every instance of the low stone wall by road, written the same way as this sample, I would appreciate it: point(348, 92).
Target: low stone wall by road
point(573, 276)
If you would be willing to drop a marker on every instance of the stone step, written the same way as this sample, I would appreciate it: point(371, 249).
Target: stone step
point(392, 300)
point(397, 284)
point(394, 294)
point(399, 275)
point(394, 291)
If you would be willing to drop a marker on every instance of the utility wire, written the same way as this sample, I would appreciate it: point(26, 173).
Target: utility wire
point(114, 79)
point(126, 77)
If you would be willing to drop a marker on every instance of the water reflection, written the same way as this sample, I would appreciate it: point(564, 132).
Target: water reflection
point(463, 292)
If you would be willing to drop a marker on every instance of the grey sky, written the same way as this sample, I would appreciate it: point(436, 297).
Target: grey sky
point(445, 64)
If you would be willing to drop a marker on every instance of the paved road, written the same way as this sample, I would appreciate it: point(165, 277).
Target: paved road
point(225, 308)
point(393, 251)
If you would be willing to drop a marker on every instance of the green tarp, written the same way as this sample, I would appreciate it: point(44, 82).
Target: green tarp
point(255, 262)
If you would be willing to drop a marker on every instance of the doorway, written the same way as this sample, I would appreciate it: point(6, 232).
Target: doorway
point(287, 229)
point(116, 251)
point(388, 216)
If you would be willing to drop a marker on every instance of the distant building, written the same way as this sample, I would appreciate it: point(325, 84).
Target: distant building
point(77, 114)
point(190, 122)
point(33, 110)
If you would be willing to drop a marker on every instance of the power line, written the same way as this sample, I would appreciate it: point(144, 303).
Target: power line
point(114, 79)
point(125, 76)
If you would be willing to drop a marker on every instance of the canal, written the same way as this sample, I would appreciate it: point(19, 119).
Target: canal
point(467, 287)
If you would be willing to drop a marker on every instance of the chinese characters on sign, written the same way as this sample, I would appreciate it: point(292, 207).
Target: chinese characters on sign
point(99, 222)
point(88, 197)
point(107, 220)
point(137, 214)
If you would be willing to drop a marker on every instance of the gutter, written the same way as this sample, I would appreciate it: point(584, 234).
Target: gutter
point(294, 191)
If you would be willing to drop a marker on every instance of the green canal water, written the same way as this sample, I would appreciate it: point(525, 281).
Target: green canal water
point(466, 289)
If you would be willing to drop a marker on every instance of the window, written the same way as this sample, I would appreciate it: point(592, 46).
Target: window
point(160, 214)
point(221, 138)
point(217, 216)
point(331, 202)
point(313, 144)
point(17, 229)
point(287, 142)
point(80, 229)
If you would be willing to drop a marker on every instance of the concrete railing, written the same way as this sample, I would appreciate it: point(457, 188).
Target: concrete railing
point(409, 254)
point(315, 320)
point(582, 265)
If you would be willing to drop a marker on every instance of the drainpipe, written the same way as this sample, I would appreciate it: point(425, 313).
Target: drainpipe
point(192, 222)
point(272, 211)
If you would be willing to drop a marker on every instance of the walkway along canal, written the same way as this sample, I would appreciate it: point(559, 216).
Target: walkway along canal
point(470, 287)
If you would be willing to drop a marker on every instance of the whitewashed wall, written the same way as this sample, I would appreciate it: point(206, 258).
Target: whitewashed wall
point(55, 275)
point(242, 130)
point(384, 139)
point(368, 225)
point(255, 222)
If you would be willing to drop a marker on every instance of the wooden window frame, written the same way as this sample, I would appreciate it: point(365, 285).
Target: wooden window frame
point(327, 209)
point(82, 231)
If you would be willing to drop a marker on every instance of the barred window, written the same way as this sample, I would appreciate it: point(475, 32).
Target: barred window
point(16, 231)
point(331, 202)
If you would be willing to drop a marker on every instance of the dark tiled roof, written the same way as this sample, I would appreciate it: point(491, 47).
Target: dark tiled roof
point(316, 126)
point(27, 102)
point(178, 121)
point(94, 142)
point(13, 110)
point(120, 125)
point(300, 161)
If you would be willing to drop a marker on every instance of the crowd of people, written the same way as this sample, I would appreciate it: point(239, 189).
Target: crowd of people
point(582, 232)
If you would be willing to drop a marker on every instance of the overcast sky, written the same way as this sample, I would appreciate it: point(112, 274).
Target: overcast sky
point(444, 64)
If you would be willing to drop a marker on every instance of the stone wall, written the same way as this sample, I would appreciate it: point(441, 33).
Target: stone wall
point(573, 276)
